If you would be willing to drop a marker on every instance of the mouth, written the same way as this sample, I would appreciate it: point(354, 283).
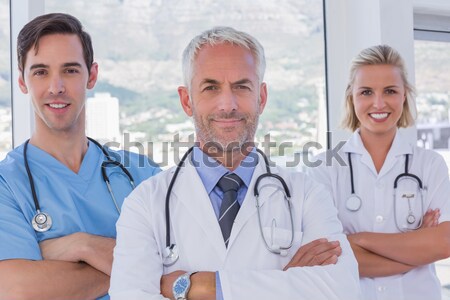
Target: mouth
point(379, 116)
point(227, 122)
point(58, 105)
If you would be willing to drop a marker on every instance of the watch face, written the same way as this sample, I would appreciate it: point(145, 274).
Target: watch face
point(181, 286)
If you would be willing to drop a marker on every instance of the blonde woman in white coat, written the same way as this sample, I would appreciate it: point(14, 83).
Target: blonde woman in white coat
point(396, 234)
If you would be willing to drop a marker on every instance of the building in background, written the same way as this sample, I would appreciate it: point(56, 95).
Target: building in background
point(102, 118)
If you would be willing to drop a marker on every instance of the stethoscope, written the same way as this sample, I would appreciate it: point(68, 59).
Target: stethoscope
point(42, 221)
point(354, 202)
point(171, 253)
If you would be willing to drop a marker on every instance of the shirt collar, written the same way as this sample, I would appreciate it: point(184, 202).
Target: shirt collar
point(210, 170)
point(400, 145)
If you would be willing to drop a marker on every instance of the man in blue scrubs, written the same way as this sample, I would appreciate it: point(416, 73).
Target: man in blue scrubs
point(71, 259)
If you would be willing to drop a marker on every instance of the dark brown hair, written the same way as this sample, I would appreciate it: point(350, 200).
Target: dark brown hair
point(54, 23)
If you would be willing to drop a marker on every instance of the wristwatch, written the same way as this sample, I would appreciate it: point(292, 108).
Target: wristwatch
point(182, 285)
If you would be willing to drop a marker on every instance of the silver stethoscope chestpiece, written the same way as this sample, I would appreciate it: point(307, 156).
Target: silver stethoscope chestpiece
point(41, 221)
point(170, 255)
point(353, 202)
point(410, 219)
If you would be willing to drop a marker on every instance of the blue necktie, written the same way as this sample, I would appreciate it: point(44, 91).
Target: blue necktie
point(229, 184)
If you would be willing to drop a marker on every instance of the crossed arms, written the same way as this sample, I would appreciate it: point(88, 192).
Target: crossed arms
point(319, 252)
point(386, 254)
point(79, 265)
point(76, 266)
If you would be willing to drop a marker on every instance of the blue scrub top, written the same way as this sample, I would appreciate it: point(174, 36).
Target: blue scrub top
point(76, 202)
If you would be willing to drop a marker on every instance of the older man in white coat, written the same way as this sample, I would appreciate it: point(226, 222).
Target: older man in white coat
point(194, 232)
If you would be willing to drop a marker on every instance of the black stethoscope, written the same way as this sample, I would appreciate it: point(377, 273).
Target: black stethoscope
point(171, 254)
point(354, 202)
point(42, 221)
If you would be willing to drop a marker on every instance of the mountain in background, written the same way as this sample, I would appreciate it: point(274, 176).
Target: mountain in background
point(138, 45)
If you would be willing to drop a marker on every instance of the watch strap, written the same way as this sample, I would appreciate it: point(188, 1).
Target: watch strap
point(182, 295)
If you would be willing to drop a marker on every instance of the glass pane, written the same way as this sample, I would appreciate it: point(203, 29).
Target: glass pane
point(5, 80)
point(138, 45)
point(432, 60)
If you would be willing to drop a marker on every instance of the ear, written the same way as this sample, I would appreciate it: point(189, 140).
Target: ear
point(262, 97)
point(185, 100)
point(92, 76)
point(22, 84)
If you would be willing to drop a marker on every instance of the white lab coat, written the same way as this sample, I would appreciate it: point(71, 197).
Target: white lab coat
point(247, 269)
point(377, 212)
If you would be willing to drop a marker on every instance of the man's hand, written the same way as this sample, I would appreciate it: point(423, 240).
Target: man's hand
point(97, 251)
point(66, 248)
point(431, 218)
point(167, 283)
point(203, 285)
point(319, 252)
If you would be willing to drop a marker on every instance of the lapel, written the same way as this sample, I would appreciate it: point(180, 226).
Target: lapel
point(399, 147)
point(266, 187)
point(190, 192)
point(355, 146)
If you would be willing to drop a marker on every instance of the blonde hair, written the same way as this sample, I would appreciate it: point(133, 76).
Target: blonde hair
point(379, 55)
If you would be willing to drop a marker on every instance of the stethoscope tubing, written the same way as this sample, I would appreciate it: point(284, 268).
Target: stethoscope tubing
point(169, 191)
point(109, 161)
point(169, 250)
point(396, 181)
point(37, 206)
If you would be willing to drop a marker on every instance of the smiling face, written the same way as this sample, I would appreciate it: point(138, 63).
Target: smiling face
point(226, 97)
point(378, 97)
point(56, 77)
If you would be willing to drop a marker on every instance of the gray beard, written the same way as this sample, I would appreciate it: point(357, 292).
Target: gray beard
point(207, 137)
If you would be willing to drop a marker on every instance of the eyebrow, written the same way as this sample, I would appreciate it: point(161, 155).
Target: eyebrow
point(72, 64)
point(243, 81)
point(213, 81)
point(38, 66)
point(65, 65)
point(371, 88)
point(209, 81)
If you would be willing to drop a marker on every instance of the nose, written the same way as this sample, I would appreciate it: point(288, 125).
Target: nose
point(228, 100)
point(378, 101)
point(56, 85)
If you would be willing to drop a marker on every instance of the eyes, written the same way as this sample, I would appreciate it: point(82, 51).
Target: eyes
point(44, 72)
point(72, 71)
point(237, 87)
point(40, 72)
point(210, 88)
point(370, 92)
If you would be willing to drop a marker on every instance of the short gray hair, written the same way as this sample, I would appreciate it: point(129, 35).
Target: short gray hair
point(219, 35)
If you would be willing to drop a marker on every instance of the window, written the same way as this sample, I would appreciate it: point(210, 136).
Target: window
point(138, 46)
point(5, 81)
point(432, 60)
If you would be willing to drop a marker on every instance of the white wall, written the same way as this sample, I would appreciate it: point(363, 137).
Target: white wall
point(22, 11)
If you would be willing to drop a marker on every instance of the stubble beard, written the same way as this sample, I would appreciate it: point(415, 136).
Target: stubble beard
point(212, 140)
